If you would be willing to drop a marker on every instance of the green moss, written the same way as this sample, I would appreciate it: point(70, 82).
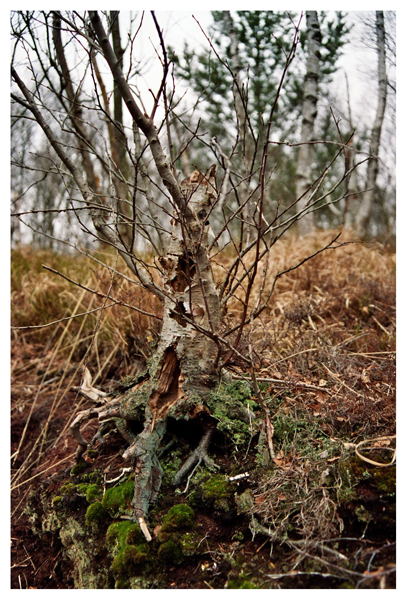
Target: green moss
point(189, 543)
point(170, 552)
point(93, 493)
point(79, 468)
point(68, 489)
point(129, 561)
point(126, 542)
point(180, 516)
point(81, 488)
point(95, 515)
point(94, 477)
point(121, 533)
point(56, 501)
point(216, 492)
point(242, 582)
point(229, 407)
point(117, 500)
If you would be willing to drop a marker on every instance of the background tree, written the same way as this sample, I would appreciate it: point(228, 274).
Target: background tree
point(309, 113)
point(253, 47)
point(368, 197)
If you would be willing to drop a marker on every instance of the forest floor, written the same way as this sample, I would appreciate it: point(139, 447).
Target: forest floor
point(321, 513)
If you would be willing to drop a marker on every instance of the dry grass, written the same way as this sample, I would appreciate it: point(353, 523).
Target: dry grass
point(330, 324)
point(47, 362)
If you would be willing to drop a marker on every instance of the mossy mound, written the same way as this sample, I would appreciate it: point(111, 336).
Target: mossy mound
point(121, 533)
point(93, 493)
point(180, 516)
point(95, 515)
point(130, 561)
point(117, 501)
point(125, 541)
point(217, 493)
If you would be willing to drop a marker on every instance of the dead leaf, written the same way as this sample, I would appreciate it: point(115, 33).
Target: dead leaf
point(260, 499)
point(86, 388)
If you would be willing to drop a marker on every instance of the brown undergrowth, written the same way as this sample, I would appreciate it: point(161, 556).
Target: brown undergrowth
point(324, 352)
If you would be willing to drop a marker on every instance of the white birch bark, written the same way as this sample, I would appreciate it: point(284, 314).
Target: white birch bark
point(364, 212)
point(309, 113)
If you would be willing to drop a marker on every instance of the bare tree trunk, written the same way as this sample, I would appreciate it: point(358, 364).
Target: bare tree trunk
point(309, 113)
point(363, 215)
point(184, 369)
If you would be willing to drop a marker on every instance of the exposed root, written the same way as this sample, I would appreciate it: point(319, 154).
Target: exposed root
point(148, 472)
point(86, 415)
point(144, 529)
point(200, 453)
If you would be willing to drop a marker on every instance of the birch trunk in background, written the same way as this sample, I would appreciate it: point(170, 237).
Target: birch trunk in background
point(309, 113)
point(363, 215)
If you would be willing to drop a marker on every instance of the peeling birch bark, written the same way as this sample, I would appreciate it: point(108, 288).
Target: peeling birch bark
point(183, 371)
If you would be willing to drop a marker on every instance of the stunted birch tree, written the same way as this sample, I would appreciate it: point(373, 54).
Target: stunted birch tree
point(143, 196)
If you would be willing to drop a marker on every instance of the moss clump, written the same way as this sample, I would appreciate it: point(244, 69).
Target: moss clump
point(56, 501)
point(95, 515)
point(129, 561)
point(121, 533)
point(117, 500)
point(79, 468)
point(125, 541)
point(93, 493)
point(82, 488)
point(241, 583)
point(180, 516)
point(229, 407)
point(68, 489)
point(216, 492)
point(170, 552)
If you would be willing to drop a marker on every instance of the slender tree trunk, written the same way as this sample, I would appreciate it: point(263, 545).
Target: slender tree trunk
point(238, 91)
point(309, 113)
point(363, 215)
